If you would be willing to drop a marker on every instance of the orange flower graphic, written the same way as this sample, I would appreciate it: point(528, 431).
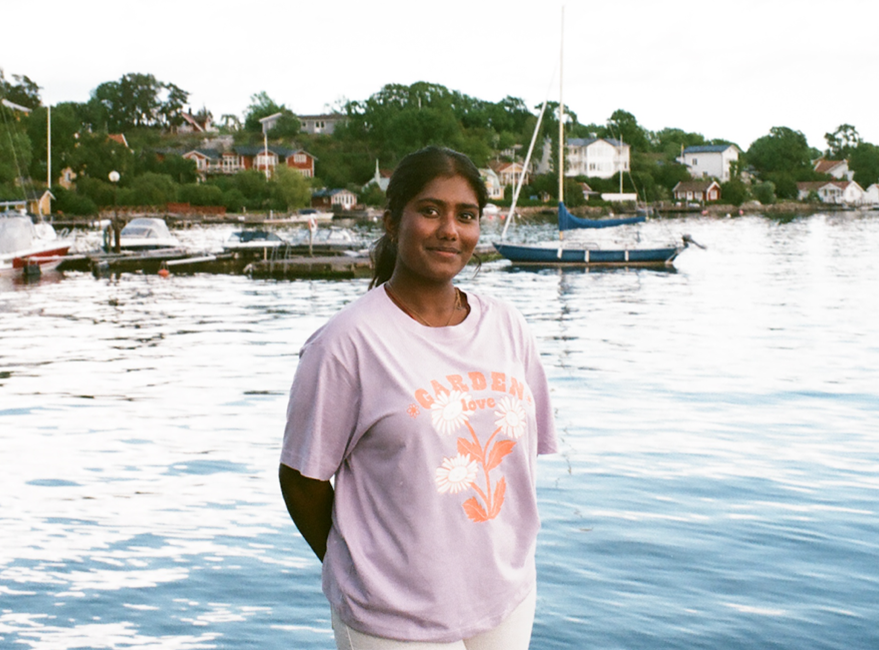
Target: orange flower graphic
point(459, 473)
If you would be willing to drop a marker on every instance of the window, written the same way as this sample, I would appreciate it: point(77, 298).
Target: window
point(300, 158)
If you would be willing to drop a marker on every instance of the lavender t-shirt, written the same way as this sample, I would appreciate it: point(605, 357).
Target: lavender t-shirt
point(432, 436)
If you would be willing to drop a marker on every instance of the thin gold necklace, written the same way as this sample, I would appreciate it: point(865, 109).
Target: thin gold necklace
point(414, 315)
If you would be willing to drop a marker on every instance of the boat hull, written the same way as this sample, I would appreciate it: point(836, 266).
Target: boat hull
point(565, 256)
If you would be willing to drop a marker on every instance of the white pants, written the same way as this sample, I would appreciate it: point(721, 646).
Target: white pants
point(514, 633)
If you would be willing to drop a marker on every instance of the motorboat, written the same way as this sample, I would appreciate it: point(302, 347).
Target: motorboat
point(28, 248)
point(254, 243)
point(142, 234)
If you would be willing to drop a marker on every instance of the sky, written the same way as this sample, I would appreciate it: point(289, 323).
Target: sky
point(731, 69)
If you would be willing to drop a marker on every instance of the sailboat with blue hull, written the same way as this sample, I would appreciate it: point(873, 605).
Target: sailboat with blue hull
point(572, 253)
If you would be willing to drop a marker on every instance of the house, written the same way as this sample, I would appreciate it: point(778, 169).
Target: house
point(320, 124)
point(212, 161)
point(595, 157)
point(301, 161)
point(201, 123)
point(710, 160)
point(120, 138)
point(492, 184)
point(509, 173)
point(701, 191)
point(871, 195)
point(67, 178)
point(835, 192)
point(836, 168)
point(333, 199)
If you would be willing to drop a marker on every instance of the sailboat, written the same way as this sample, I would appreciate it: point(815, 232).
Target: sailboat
point(572, 253)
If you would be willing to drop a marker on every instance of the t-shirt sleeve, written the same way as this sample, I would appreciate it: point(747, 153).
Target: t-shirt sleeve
point(322, 413)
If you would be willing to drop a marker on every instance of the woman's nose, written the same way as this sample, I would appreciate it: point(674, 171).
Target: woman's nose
point(448, 227)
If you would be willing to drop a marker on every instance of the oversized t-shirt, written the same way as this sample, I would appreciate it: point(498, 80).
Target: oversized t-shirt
point(432, 436)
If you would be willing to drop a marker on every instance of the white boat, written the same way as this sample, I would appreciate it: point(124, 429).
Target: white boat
point(246, 241)
point(142, 234)
point(27, 248)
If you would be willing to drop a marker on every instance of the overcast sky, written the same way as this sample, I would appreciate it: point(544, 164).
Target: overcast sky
point(730, 69)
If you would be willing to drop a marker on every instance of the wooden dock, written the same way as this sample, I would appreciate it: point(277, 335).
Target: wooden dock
point(335, 266)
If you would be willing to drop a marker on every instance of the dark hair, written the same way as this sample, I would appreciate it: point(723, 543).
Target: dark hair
point(412, 175)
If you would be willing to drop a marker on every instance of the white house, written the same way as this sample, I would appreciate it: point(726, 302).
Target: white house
point(492, 184)
point(836, 168)
point(701, 191)
point(871, 194)
point(710, 160)
point(595, 157)
point(320, 124)
point(837, 192)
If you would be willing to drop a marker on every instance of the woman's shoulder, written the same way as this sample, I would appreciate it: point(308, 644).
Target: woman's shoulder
point(342, 326)
point(494, 307)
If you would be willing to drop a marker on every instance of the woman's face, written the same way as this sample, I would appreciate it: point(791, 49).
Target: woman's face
point(438, 230)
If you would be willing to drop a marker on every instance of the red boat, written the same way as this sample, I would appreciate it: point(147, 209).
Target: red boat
point(27, 248)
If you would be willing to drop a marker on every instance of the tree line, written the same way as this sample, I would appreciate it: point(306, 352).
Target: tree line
point(384, 127)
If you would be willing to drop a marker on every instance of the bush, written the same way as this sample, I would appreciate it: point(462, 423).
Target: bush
point(765, 192)
point(201, 194)
point(70, 202)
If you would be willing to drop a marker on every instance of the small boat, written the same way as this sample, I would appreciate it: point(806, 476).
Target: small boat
point(142, 234)
point(28, 248)
point(252, 244)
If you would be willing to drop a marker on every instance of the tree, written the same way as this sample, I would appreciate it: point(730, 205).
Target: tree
point(783, 150)
point(15, 148)
point(864, 161)
point(65, 136)
point(290, 188)
point(151, 189)
point(623, 125)
point(24, 92)
point(97, 155)
point(136, 100)
point(842, 142)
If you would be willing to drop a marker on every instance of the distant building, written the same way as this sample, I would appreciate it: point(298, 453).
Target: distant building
point(509, 173)
point(699, 191)
point(492, 184)
point(835, 192)
point(329, 199)
point(836, 168)
point(196, 123)
point(710, 160)
point(596, 157)
point(213, 161)
point(320, 124)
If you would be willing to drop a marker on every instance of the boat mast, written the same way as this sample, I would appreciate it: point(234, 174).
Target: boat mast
point(562, 119)
point(49, 148)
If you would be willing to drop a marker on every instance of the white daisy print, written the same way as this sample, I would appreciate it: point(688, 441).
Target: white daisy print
point(456, 474)
point(447, 412)
point(511, 418)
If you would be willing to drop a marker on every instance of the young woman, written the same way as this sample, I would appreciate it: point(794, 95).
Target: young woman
point(428, 407)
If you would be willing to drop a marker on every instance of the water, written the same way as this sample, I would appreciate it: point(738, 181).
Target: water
point(717, 485)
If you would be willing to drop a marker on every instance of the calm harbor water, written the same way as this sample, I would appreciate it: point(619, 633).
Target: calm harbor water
point(717, 486)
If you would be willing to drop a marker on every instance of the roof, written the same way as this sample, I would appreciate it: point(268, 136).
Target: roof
point(585, 142)
point(323, 116)
point(695, 186)
point(823, 166)
point(709, 148)
point(809, 186)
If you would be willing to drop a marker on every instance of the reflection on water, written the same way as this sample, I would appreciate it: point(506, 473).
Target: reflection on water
point(716, 487)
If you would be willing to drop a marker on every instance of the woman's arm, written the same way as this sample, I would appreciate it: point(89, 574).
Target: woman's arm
point(310, 504)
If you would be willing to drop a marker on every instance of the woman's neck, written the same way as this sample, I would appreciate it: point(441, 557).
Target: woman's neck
point(431, 304)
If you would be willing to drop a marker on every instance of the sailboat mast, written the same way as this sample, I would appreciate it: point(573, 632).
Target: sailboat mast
point(562, 119)
point(49, 147)
point(562, 114)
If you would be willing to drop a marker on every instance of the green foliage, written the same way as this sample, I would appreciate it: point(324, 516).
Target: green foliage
point(181, 169)
point(765, 192)
point(70, 202)
point(783, 150)
point(842, 142)
point(135, 100)
point(734, 191)
point(24, 92)
point(864, 162)
point(290, 189)
point(15, 146)
point(671, 141)
point(261, 106)
point(97, 155)
point(100, 192)
point(372, 195)
point(623, 126)
point(150, 189)
point(200, 194)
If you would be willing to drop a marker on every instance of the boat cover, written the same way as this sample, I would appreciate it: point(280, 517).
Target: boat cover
point(567, 221)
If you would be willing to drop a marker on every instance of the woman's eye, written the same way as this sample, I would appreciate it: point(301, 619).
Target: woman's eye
point(467, 216)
